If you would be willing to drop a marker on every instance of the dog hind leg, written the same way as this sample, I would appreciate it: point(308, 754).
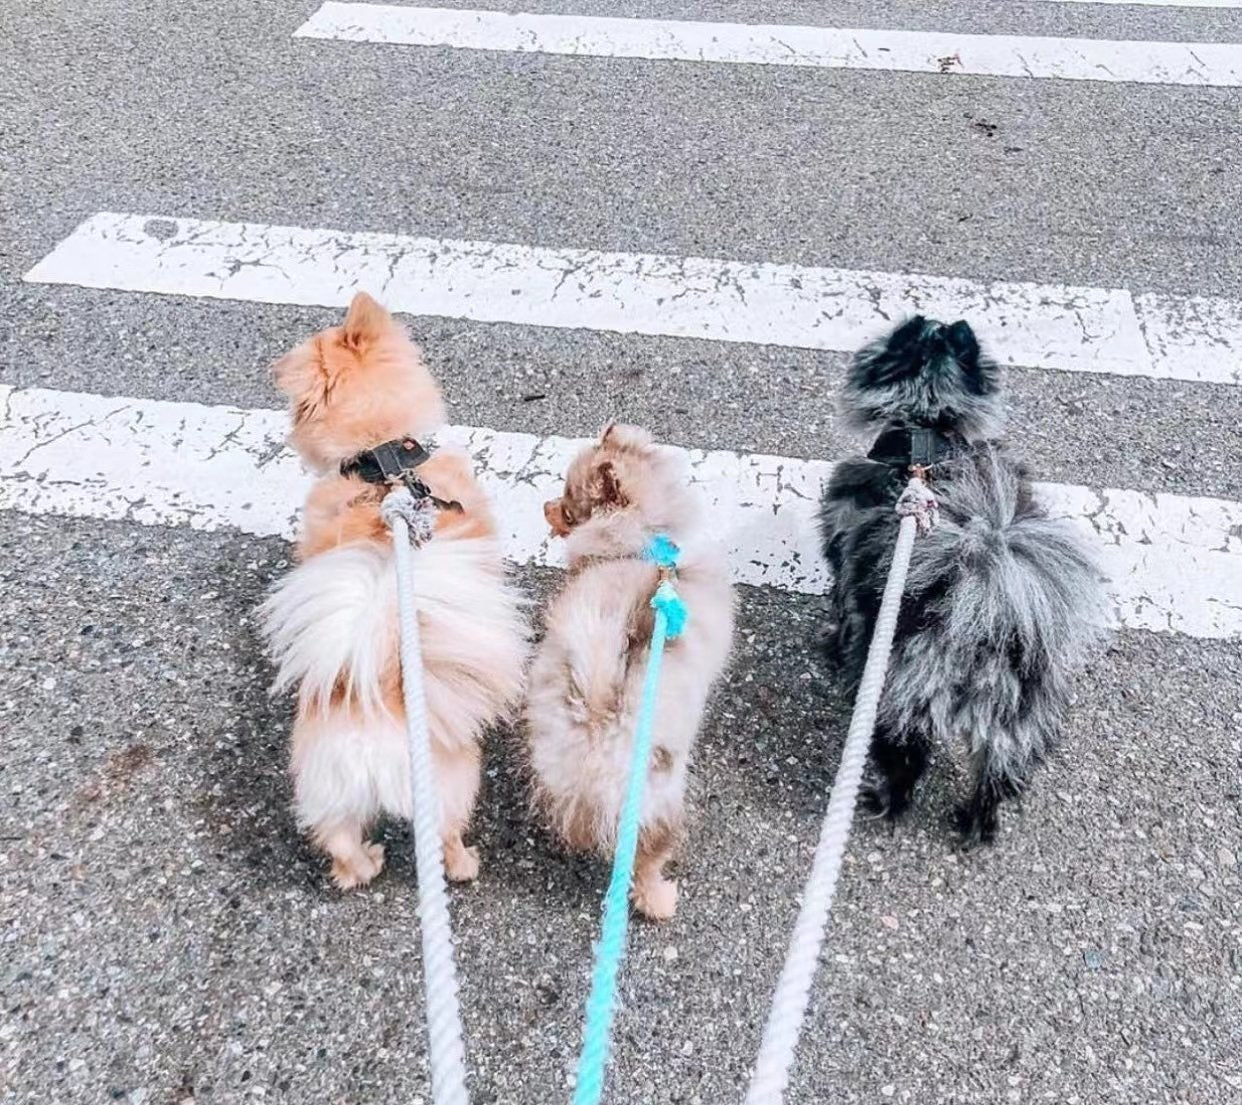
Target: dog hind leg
point(457, 779)
point(998, 775)
point(334, 767)
point(354, 862)
point(898, 762)
point(653, 893)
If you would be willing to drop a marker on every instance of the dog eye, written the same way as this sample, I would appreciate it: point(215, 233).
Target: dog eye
point(568, 514)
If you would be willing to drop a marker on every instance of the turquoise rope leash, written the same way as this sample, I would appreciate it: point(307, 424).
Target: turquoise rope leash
point(670, 622)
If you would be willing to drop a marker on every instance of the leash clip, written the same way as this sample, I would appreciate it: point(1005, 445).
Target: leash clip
point(662, 551)
point(918, 502)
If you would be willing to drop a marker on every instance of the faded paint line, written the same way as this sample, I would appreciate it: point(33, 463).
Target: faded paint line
point(940, 52)
point(1072, 329)
point(1220, 4)
point(1175, 562)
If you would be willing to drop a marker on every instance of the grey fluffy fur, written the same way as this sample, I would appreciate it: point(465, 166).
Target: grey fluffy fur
point(942, 392)
point(1002, 604)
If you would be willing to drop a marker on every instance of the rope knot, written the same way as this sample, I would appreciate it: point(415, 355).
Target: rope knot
point(664, 553)
point(918, 502)
point(668, 602)
point(418, 514)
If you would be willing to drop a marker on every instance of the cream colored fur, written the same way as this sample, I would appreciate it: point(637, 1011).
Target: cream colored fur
point(331, 623)
point(586, 680)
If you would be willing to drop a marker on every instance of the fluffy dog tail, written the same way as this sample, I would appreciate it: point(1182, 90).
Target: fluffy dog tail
point(597, 668)
point(331, 626)
point(1018, 605)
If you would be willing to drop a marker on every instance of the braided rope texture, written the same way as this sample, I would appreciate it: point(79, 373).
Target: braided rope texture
point(793, 989)
point(444, 1029)
point(671, 616)
point(602, 1002)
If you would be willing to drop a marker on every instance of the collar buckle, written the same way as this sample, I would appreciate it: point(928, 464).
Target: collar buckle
point(914, 447)
point(395, 462)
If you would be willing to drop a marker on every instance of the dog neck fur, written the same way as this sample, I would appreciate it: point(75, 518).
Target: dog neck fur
point(655, 498)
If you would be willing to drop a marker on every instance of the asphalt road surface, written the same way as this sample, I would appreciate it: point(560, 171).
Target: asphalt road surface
point(169, 938)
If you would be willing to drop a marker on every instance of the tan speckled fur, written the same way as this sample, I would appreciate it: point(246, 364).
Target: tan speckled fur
point(586, 679)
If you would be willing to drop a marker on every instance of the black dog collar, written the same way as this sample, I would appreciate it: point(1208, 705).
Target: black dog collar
point(913, 446)
point(387, 463)
point(395, 462)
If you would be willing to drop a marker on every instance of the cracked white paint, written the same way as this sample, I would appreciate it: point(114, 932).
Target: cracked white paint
point(1073, 329)
point(941, 52)
point(1175, 562)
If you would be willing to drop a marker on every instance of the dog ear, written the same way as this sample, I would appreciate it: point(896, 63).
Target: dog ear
point(963, 344)
point(618, 436)
point(365, 321)
point(907, 333)
point(299, 374)
point(609, 484)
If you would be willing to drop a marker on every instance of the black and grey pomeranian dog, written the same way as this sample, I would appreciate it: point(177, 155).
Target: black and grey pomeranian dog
point(1002, 603)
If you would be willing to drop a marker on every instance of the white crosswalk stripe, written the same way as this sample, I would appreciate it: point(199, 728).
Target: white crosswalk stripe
point(1175, 562)
point(1155, 3)
point(1073, 329)
point(1023, 56)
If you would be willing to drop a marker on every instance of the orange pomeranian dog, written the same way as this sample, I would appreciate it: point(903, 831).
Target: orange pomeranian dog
point(331, 623)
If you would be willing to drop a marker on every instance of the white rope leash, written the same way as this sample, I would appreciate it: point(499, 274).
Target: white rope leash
point(410, 522)
point(917, 507)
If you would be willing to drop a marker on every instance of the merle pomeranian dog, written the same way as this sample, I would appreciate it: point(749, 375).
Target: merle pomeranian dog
point(1002, 603)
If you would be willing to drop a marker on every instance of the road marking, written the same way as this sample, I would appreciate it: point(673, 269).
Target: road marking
point(1175, 562)
point(1074, 329)
point(1158, 3)
point(941, 52)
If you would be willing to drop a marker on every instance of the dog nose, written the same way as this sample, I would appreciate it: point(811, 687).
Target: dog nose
point(555, 518)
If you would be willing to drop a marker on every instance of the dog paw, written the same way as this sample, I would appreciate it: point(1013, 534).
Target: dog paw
point(656, 899)
point(831, 641)
point(461, 864)
point(974, 826)
point(879, 802)
point(873, 799)
point(360, 868)
point(826, 635)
